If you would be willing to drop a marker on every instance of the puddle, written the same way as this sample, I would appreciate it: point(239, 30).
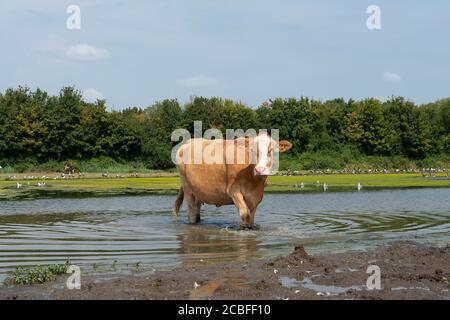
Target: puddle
point(307, 283)
point(342, 270)
point(410, 288)
point(207, 290)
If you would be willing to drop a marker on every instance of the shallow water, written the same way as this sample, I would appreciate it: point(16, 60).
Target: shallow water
point(308, 283)
point(95, 232)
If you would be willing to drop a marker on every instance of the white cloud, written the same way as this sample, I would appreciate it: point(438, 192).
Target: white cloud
point(86, 52)
point(92, 95)
point(197, 81)
point(392, 77)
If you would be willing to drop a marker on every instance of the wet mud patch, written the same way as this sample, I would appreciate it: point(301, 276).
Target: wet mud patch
point(408, 271)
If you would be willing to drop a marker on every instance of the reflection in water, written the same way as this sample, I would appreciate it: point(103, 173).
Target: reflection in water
point(200, 245)
point(140, 229)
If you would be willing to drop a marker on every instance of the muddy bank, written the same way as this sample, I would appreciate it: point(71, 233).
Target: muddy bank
point(408, 271)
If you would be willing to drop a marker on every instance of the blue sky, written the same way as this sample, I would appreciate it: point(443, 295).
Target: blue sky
point(134, 53)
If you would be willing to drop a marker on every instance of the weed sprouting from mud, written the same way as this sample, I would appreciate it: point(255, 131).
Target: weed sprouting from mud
point(38, 274)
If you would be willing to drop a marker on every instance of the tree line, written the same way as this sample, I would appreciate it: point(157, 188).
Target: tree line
point(38, 127)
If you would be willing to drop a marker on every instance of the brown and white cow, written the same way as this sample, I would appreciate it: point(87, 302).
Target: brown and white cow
point(237, 176)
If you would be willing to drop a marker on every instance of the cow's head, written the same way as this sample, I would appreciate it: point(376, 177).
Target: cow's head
point(263, 147)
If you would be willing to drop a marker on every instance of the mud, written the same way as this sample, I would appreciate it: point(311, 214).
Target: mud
point(408, 271)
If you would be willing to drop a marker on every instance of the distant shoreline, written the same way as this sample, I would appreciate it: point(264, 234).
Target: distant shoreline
point(53, 185)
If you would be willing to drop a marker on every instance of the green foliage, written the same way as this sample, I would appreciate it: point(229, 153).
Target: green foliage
point(39, 131)
point(163, 118)
point(38, 274)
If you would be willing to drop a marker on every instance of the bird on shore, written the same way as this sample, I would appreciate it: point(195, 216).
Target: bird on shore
point(302, 185)
point(19, 185)
point(325, 187)
point(359, 186)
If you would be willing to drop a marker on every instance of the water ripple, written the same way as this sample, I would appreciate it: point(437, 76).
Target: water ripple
point(141, 229)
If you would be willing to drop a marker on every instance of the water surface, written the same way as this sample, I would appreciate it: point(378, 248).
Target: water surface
point(95, 232)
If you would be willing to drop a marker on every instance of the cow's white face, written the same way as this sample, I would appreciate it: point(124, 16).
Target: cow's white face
point(263, 149)
point(263, 152)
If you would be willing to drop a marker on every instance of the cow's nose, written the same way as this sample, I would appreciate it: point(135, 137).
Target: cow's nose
point(259, 170)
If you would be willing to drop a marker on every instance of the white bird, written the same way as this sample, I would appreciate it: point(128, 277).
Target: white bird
point(19, 185)
point(325, 187)
point(196, 285)
point(359, 186)
point(41, 184)
point(302, 185)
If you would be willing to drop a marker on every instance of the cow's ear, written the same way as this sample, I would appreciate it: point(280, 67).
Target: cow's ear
point(284, 146)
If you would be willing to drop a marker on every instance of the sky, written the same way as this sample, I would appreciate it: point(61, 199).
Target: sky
point(134, 53)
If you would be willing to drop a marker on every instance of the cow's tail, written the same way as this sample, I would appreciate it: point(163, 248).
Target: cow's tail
point(178, 202)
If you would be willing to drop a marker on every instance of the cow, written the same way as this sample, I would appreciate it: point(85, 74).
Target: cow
point(240, 182)
point(69, 168)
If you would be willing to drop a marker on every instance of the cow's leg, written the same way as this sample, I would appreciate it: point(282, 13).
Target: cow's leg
point(193, 208)
point(252, 216)
point(240, 204)
point(194, 212)
point(178, 202)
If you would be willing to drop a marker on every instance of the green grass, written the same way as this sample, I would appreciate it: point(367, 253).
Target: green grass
point(170, 185)
point(89, 187)
point(38, 274)
point(342, 182)
point(8, 170)
point(95, 165)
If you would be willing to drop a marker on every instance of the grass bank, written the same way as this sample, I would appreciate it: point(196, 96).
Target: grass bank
point(344, 158)
point(86, 187)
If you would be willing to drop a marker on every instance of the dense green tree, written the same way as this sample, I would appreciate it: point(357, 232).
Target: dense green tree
point(234, 115)
point(163, 118)
point(205, 110)
point(373, 134)
point(37, 127)
point(406, 127)
point(438, 115)
point(62, 117)
point(291, 117)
